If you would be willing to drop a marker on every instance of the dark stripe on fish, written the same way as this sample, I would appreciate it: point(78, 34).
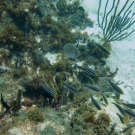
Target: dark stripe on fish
point(130, 113)
point(71, 88)
point(115, 87)
point(132, 106)
point(88, 71)
point(120, 108)
point(95, 103)
point(92, 87)
point(105, 99)
point(48, 89)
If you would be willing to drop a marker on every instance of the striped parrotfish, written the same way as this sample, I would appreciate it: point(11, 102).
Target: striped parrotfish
point(130, 113)
point(132, 106)
point(47, 89)
point(120, 108)
point(95, 103)
point(115, 87)
point(88, 71)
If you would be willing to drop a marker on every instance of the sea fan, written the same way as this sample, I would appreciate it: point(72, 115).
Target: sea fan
point(71, 51)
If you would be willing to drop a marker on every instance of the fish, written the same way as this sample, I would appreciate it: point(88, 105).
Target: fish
point(105, 99)
point(113, 74)
point(112, 128)
point(132, 106)
point(95, 103)
point(71, 88)
point(88, 71)
point(130, 113)
point(121, 118)
point(4, 104)
point(47, 89)
point(92, 87)
point(89, 78)
point(108, 93)
point(115, 87)
point(17, 63)
point(120, 108)
point(128, 127)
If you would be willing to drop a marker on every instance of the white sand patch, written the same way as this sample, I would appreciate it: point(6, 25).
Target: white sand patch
point(51, 57)
point(123, 57)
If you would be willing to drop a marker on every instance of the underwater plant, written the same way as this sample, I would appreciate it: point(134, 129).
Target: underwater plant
point(17, 103)
point(115, 23)
point(35, 114)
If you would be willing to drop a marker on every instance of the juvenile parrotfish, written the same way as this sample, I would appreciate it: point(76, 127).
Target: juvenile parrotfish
point(130, 113)
point(95, 103)
point(120, 108)
point(122, 119)
point(71, 88)
point(92, 87)
point(132, 106)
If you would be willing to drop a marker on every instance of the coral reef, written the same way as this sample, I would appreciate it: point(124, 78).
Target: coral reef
point(61, 6)
point(85, 121)
point(35, 114)
point(43, 95)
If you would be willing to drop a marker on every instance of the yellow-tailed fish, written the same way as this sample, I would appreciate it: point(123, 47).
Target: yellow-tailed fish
point(122, 119)
point(120, 108)
point(115, 87)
